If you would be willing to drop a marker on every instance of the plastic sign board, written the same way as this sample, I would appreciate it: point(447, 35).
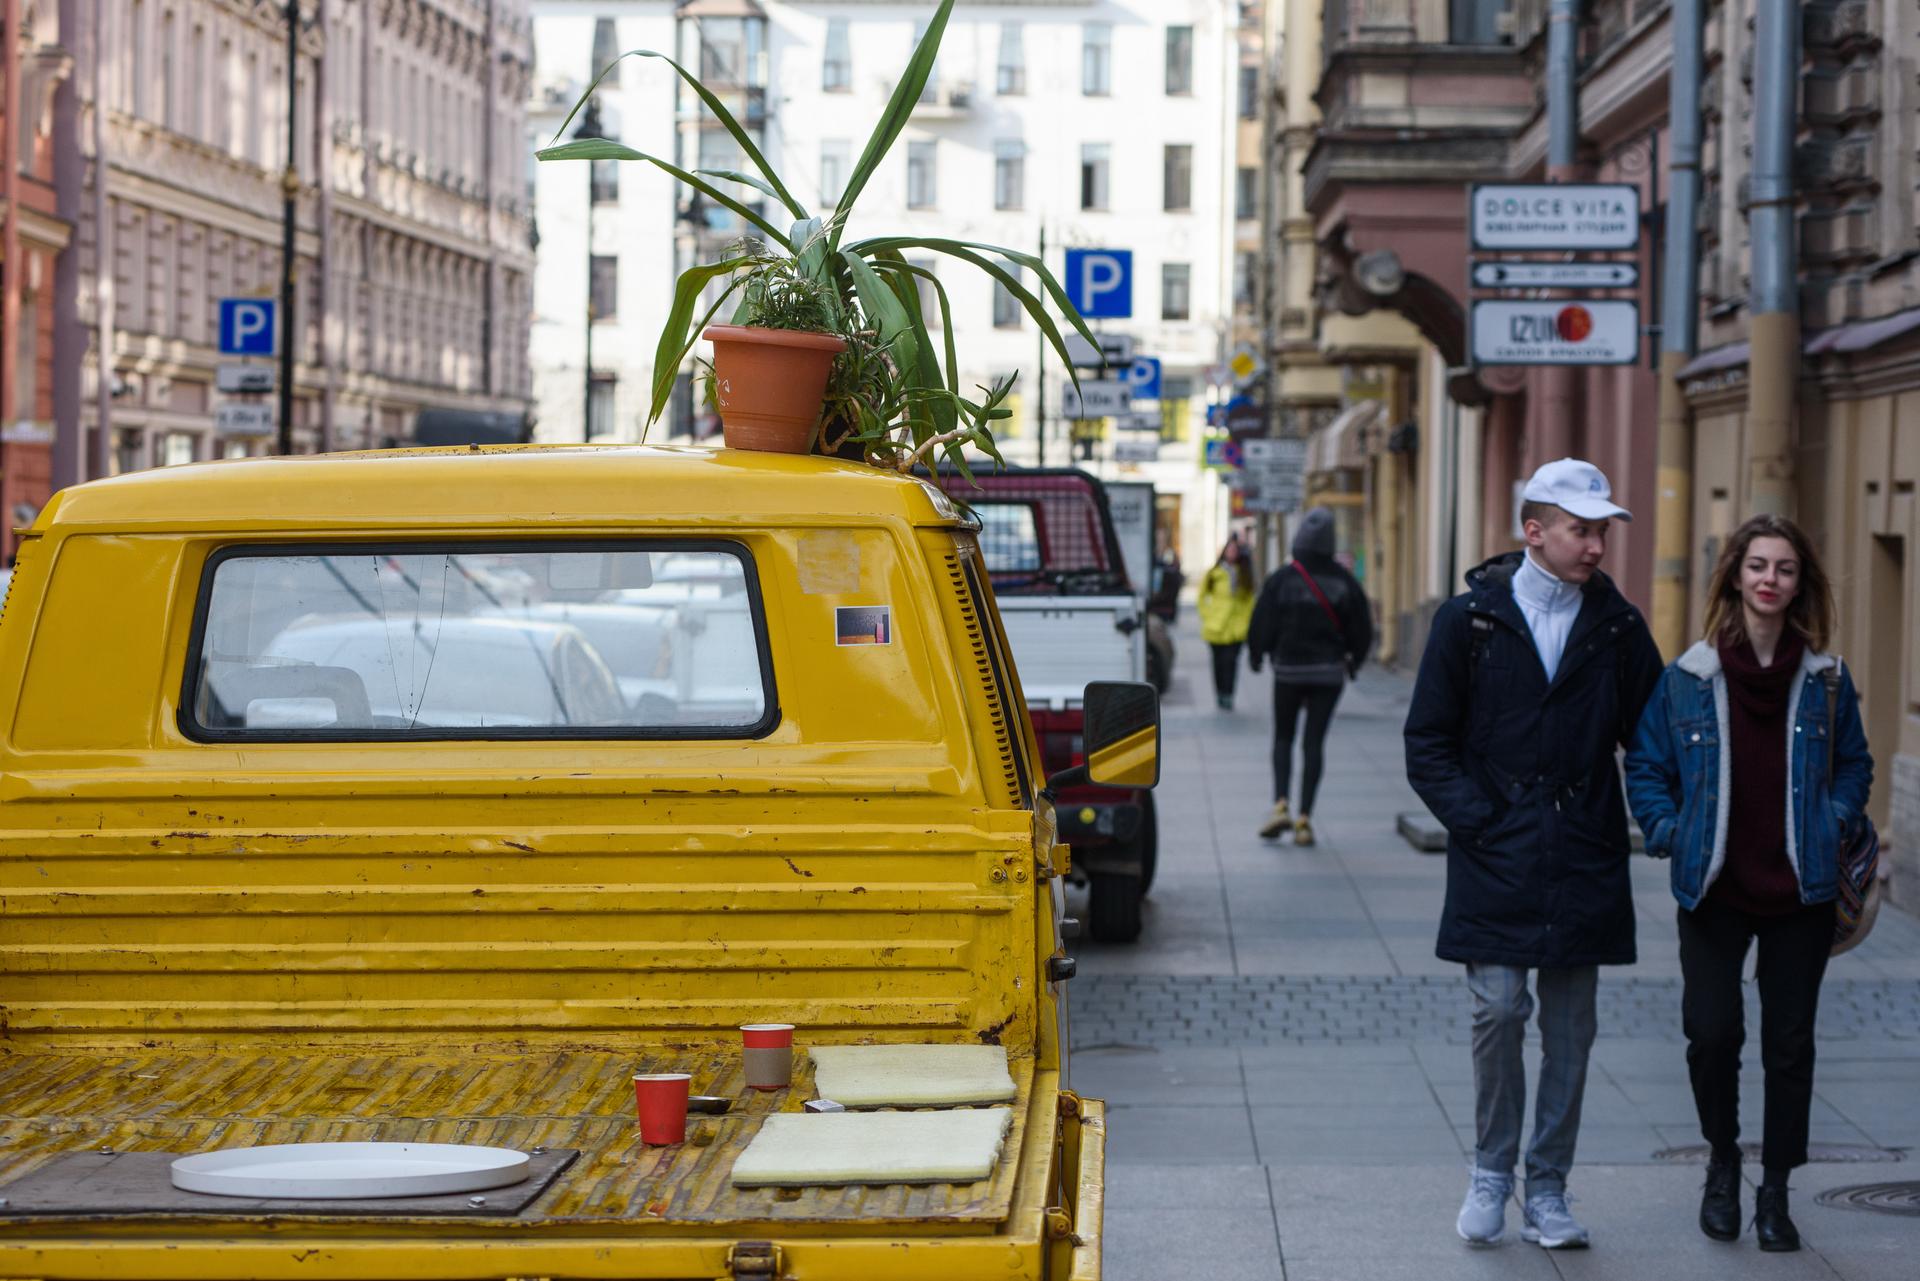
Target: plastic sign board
point(1097, 398)
point(1143, 376)
point(247, 326)
point(244, 378)
point(1136, 447)
point(1276, 474)
point(1139, 421)
point(1100, 283)
point(1224, 453)
point(1588, 331)
point(1554, 215)
point(1555, 275)
point(1246, 365)
point(1114, 350)
point(247, 418)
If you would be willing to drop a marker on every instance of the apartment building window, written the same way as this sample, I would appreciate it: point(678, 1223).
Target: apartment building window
point(836, 72)
point(1176, 291)
point(600, 400)
point(929, 293)
point(1094, 164)
point(197, 86)
point(1176, 407)
point(603, 287)
point(1010, 77)
point(836, 165)
point(1096, 59)
point(1179, 61)
point(1009, 174)
point(606, 51)
point(605, 181)
point(224, 108)
point(1245, 265)
point(168, 89)
point(1178, 170)
point(1249, 93)
point(921, 178)
point(1006, 308)
point(1246, 193)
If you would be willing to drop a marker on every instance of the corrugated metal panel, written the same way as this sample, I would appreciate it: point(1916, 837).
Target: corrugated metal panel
point(189, 1103)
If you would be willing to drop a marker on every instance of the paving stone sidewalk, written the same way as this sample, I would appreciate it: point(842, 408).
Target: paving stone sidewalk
point(1286, 1065)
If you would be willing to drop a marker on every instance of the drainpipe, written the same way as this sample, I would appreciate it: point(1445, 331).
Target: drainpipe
point(1679, 336)
point(1559, 386)
point(322, 127)
point(69, 334)
point(10, 264)
point(1773, 367)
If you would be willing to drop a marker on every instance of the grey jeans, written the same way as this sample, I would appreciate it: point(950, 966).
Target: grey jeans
point(1501, 1007)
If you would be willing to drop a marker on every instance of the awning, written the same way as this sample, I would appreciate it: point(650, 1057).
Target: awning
point(1343, 442)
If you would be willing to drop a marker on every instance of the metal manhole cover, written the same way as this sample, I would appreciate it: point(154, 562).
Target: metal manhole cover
point(1881, 1198)
point(1818, 1153)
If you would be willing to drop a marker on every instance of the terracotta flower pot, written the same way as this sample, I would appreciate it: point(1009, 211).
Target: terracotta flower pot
point(770, 384)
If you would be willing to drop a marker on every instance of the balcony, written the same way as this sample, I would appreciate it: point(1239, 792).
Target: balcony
point(945, 100)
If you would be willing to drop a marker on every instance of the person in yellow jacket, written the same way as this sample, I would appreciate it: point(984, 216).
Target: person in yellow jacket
point(1226, 607)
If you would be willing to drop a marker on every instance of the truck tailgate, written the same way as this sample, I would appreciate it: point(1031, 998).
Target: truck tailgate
point(1060, 643)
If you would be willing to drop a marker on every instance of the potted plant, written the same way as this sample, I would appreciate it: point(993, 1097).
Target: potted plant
point(889, 392)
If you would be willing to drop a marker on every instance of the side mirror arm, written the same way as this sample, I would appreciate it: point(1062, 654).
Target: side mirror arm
point(1072, 776)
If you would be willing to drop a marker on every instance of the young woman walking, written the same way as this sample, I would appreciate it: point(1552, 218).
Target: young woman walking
point(1313, 619)
point(1226, 606)
point(1749, 771)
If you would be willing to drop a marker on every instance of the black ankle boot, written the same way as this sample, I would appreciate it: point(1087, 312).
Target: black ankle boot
point(1720, 1203)
point(1771, 1222)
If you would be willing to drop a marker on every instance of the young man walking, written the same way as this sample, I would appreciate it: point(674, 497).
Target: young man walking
point(1530, 681)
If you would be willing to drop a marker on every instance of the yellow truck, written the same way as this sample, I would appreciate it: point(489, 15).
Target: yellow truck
point(429, 796)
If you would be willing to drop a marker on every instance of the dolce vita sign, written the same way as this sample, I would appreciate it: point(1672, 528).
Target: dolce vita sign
point(1554, 215)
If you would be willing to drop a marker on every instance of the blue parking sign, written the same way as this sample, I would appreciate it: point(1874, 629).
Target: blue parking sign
point(1100, 283)
point(247, 326)
point(1143, 377)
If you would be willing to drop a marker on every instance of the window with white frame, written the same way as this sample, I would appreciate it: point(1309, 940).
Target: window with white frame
point(836, 165)
point(1178, 174)
point(1246, 193)
point(921, 176)
point(1007, 311)
point(1176, 291)
point(1009, 174)
point(1095, 162)
point(836, 70)
point(1096, 59)
point(1179, 61)
point(1010, 75)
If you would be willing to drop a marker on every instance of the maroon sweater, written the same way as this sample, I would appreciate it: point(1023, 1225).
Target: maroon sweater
point(1757, 877)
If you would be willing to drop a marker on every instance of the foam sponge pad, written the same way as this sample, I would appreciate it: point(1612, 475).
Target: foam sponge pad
point(910, 1076)
point(801, 1149)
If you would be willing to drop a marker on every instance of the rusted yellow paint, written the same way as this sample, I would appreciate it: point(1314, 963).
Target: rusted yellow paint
point(202, 945)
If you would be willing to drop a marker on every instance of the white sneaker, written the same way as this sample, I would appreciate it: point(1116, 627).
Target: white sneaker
point(1483, 1215)
point(1550, 1225)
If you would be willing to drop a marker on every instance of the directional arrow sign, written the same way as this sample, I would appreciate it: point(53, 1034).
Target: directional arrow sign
point(1555, 275)
point(1096, 398)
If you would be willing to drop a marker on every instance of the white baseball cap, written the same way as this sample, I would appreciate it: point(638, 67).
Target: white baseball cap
point(1575, 487)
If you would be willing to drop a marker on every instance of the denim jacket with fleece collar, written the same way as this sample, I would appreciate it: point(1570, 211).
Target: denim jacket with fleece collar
point(1680, 773)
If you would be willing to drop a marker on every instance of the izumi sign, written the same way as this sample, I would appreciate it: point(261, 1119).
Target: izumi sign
point(1586, 331)
point(1555, 215)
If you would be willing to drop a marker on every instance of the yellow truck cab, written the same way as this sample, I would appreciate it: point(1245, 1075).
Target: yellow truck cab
point(429, 796)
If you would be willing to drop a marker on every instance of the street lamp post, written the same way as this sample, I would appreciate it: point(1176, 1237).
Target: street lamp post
point(289, 200)
point(589, 128)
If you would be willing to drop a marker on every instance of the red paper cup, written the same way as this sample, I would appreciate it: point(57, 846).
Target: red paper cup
point(767, 1055)
point(661, 1098)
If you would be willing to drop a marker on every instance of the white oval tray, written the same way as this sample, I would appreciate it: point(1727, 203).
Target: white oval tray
point(342, 1171)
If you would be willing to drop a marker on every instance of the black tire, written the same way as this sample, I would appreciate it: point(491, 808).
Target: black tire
point(1156, 671)
point(1148, 843)
point(1115, 903)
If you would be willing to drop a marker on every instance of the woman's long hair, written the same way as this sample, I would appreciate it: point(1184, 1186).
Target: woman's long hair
point(1811, 613)
point(1242, 568)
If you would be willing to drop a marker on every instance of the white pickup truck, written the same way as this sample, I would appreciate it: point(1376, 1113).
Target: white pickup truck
point(1071, 615)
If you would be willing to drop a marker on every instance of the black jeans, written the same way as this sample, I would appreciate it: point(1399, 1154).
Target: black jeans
point(1226, 666)
point(1793, 958)
point(1288, 700)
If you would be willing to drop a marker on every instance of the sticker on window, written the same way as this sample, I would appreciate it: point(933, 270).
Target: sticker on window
point(863, 625)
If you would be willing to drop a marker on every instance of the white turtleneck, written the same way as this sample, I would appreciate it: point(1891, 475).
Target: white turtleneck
point(1549, 606)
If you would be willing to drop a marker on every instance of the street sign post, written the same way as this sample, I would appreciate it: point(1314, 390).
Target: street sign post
point(247, 326)
point(1554, 215)
point(1587, 331)
point(1555, 275)
point(1113, 351)
point(1142, 375)
point(243, 418)
point(1276, 474)
point(1096, 398)
point(243, 379)
point(1100, 283)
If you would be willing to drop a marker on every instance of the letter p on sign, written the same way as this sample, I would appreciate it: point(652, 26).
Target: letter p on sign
point(246, 326)
point(1100, 282)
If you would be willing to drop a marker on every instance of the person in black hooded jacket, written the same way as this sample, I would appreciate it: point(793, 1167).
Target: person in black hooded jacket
point(1531, 681)
point(1314, 620)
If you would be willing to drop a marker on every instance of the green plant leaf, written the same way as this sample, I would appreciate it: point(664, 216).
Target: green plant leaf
point(913, 81)
point(720, 113)
point(925, 372)
point(745, 179)
point(676, 339)
point(604, 149)
point(946, 318)
point(883, 310)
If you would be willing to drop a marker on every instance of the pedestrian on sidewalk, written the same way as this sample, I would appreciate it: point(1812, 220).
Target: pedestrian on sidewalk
point(1226, 607)
point(1530, 682)
point(1314, 621)
point(1756, 712)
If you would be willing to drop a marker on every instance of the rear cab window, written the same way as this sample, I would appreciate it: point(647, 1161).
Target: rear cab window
point(400, 641)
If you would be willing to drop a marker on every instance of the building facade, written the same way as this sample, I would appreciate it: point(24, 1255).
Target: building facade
point(1089, 123)
point(412, 228)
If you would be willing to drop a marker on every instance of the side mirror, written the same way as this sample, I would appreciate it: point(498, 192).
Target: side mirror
point(1121, 732)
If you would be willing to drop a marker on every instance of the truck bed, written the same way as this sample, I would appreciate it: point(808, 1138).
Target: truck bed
point(52, 1104)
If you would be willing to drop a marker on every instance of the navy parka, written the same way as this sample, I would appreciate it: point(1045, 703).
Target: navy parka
point(1521, 772)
